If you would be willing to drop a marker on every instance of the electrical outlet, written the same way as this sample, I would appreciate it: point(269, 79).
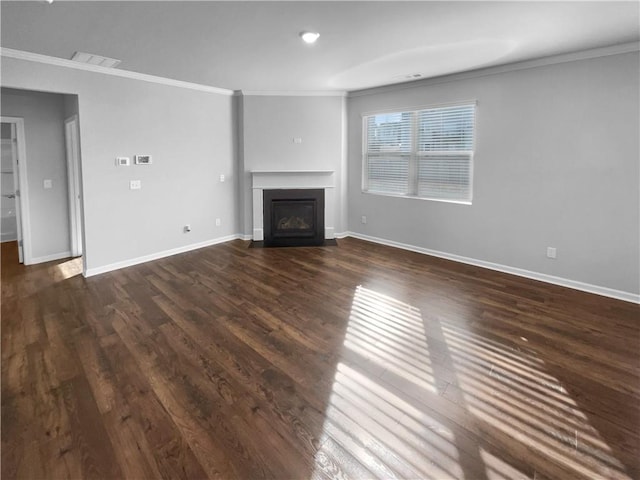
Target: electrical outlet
point(364, 219)
point(187, 228)
point(551, 252)
point(218, 222)
point(135, 184)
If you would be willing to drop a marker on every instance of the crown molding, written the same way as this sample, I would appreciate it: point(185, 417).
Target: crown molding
point(509, 67)
point(291, 93)
point(541, 62)
point(62, 62)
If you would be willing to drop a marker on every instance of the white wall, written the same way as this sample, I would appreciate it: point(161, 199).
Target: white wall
point(188, 132)
point(268, 125)
point(43, 115)
point(556, 164)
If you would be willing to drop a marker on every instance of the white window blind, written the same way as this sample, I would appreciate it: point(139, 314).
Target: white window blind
point(425, 153)
point(389, 145)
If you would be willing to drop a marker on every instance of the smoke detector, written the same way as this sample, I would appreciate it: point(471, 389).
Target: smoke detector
point(93, 59)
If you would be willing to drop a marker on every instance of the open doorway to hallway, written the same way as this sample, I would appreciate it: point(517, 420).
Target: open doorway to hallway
point(11, 205)
point(42, 211)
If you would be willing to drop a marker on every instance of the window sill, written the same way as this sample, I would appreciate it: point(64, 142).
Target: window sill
point(413, 197)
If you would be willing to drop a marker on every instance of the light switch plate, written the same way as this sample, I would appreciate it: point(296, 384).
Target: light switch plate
point(123, 161)
point(142, 159)
point(48, 183)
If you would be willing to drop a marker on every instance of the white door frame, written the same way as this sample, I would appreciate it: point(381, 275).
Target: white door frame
point(23, 221)
point(72, 142)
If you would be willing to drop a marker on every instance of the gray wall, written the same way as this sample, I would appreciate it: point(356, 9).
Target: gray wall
point(556, 164)
point(268, 125)
point(188, 132)
point(43, 115)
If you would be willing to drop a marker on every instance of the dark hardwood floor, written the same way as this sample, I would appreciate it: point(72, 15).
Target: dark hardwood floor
point(356, 361)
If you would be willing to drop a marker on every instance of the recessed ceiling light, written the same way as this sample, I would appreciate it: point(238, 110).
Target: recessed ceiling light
point(309, 37)
point(95, 59)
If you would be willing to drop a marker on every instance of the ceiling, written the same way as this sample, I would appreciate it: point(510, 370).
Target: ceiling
point(254, 46)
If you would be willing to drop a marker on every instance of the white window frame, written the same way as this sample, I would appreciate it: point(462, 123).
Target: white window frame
point(415, 154)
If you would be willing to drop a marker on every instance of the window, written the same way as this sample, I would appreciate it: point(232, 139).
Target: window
point(423, 153)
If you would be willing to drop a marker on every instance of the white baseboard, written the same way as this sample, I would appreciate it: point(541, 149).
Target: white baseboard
point(543, 277)
point(89, 272)
point(49, 258)
point(564, 282)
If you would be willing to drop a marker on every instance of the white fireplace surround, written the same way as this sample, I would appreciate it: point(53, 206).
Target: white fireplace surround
point(268, 180)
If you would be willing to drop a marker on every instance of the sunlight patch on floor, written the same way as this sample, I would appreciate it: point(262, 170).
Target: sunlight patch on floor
point(408, 391)
point(509, 389)
point(370, 428)
point(67, 269)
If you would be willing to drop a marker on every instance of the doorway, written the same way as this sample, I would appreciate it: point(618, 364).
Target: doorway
point(47, 205)
point(14, 223)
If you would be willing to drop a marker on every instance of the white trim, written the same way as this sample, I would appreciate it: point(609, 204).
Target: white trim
point(62, 62)
point(23, 198)
point(276, 179)
point(543, 277)
point(430, 106)
point(72, 147)
point(551, 60)
point(244, 237)
point(258, 234)
point(510, 67)
point(291, 93)
point(342, 234)
point(89, 272)
point(292, 172)
point(50, 258)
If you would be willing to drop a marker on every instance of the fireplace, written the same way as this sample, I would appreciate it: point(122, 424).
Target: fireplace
point(293, 217)
point(262, 180)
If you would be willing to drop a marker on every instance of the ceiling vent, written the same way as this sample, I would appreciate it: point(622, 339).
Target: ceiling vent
point(95, 59)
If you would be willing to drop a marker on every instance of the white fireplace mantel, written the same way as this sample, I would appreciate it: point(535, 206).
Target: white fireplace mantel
point(277, 179)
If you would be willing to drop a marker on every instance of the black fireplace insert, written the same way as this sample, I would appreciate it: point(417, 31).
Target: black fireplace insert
point(293, 217)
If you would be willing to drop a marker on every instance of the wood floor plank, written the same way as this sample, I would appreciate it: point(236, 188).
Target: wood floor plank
point(355, 361)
